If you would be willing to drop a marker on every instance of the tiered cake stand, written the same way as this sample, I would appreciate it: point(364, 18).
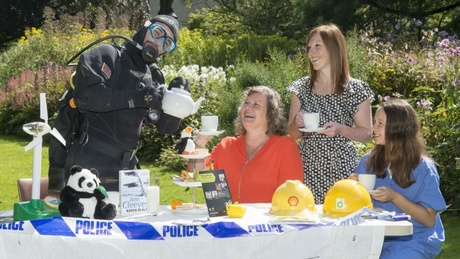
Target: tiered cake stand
point(192, 185)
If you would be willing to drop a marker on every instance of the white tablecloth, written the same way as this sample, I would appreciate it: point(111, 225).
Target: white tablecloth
point(163, 236)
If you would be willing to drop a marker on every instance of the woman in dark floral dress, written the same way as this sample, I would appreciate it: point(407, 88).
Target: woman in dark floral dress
point(344, 106)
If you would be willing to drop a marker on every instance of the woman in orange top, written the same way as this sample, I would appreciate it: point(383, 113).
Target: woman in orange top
point(261, 157)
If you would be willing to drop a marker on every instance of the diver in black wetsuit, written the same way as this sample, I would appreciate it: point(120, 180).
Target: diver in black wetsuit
point(115, 89)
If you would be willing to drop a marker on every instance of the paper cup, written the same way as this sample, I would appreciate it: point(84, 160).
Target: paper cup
point(311, 120)
point(209, 123)
point(368, 180)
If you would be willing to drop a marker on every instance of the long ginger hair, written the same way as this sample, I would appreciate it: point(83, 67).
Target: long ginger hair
point(336, 47)
point(403, 149)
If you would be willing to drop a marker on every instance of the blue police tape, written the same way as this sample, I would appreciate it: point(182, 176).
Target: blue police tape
point(134, 230)
point(138, 230)
point(52, 227)
point(225, 229)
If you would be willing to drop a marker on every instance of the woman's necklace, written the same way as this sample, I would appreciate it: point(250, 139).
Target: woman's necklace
point(251, 152)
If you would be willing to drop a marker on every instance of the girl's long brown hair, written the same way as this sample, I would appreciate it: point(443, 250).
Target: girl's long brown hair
point(403, 147)
point(336, 47)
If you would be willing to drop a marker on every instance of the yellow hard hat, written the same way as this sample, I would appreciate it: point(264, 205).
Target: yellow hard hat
point(292, 198)
point(345, 197)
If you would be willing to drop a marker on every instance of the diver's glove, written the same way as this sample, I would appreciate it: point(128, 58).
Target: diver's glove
point(145, 97)
point(180, 82)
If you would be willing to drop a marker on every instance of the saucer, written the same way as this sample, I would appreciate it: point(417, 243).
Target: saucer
point(198, 156)
point(210, 133)
point(311, 130)
point(201, 210)
point(373, 191)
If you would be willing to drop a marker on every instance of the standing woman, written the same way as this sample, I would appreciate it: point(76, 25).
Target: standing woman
point(344, 107)
point(407, 179)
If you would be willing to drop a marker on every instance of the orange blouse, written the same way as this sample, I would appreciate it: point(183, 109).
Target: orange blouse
point(256, 181)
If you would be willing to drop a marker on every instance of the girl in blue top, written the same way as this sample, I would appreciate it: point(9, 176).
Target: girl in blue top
point(407, 179)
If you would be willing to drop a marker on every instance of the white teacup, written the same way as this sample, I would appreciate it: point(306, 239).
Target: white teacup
point(311, 120)
point(209, 123)
point(368, 180)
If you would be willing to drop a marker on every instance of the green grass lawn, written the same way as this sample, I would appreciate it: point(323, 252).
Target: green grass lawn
point(15, 163)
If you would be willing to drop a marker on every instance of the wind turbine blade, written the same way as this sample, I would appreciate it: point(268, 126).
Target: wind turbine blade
point(58, 136)
point(43, 108)
point(33, 143)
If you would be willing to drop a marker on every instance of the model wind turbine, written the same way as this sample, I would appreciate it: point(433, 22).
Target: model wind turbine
point(37, 208)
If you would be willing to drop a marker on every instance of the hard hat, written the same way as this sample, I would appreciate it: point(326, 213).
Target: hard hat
point(292, 198)
point(345, 197)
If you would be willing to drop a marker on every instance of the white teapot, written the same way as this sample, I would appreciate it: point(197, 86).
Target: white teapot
point(178, 103)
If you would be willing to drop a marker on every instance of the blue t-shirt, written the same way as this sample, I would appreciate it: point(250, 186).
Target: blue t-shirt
point(425, 192)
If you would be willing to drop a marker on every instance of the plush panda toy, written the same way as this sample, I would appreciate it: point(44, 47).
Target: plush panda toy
point(83, 196)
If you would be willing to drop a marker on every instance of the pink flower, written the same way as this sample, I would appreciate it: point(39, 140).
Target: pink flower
point(425, 103)
point(383, 98)
point(442, 77)
point(456, 82)
point(444, 43)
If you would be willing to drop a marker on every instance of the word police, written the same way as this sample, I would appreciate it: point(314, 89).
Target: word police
point(90, 227)
point(180, 231)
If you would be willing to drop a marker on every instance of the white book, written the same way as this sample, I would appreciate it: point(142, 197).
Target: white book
point(133, 191)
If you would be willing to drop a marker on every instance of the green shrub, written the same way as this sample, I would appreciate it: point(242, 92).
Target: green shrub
point(208, 82)
point(171, 160)
point(198, 47)
point(426, 74)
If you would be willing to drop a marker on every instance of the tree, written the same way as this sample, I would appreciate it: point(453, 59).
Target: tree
point(262, 16)
point(18, 15)
point(295, 18)
point(431, 13)
point(377, 14)
point(137, 11)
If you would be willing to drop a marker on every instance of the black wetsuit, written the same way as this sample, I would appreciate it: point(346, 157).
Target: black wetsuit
point(109, 126)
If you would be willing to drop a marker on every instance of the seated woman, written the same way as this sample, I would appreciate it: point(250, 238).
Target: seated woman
point(261, 157)
point(407, 179)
